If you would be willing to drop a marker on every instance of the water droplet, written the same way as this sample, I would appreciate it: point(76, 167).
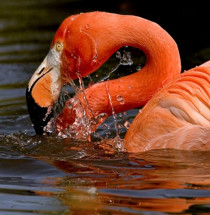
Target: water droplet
point(119, 143)
point(94, 60)
point(138, 68)
point(118, 55)
point(93, 122)
point(48, 112)
point(127, 124)
point(140, 110)
point(102, 116)
point(120, 99)
point(120, 126)
point(70, 105)
point(87, 26)
point(126, 59)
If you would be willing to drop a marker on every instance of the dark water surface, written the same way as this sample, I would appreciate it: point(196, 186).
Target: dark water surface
point(48, 175)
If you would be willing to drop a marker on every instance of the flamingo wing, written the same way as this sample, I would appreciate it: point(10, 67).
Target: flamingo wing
point(178, 116)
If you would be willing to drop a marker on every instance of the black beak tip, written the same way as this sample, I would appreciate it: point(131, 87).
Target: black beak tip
point(39, 116)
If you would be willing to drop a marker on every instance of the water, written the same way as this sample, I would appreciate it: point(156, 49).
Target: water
point(51, 175)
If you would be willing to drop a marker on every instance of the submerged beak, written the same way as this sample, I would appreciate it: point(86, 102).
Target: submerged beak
point(43, 90)
point(39, 116)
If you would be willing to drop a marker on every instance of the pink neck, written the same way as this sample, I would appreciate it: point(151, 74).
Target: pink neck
point(163, 64)
point(108, 33)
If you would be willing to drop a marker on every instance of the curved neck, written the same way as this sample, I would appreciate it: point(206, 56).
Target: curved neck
point(108, 33)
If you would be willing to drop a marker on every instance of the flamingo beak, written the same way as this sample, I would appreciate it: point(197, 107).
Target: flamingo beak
point(39, 116)
point(43, 90)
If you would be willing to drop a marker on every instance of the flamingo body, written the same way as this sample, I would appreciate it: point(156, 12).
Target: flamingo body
point(177, 110)
point(178, 116)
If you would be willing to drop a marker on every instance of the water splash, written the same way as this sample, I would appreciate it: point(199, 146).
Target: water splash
point(85, 121)
point(120, 99)
point(118, 142)
point(127, 124)
point(57, 109)
point(76, 130)
point(80, 129)
point(125, 60)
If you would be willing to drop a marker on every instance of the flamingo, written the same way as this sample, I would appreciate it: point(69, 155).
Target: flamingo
point(177, 110)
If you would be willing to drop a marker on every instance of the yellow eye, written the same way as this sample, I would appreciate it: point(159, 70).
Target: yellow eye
point(59, 47)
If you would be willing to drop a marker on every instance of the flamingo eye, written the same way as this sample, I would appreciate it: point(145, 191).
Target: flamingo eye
point(59, 47)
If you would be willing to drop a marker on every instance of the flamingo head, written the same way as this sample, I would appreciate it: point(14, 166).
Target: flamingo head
point(72, 54)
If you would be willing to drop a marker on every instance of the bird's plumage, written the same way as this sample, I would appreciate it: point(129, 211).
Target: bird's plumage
point(178, 116)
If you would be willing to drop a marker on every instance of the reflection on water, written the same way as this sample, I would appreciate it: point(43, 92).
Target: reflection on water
point(147, 182)
point(48, 175)
point(83, 177)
